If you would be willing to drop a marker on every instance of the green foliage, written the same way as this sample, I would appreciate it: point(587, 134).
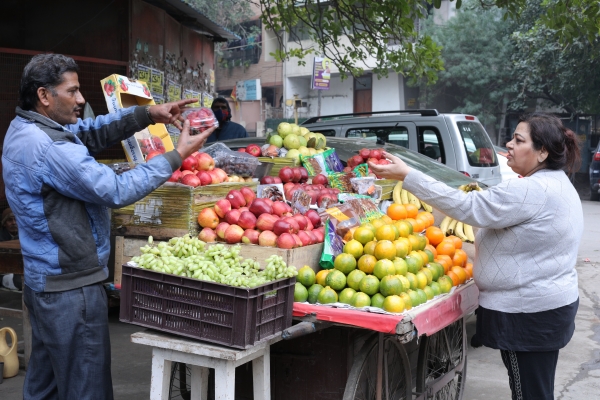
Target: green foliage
point(560, 70)
point(476, 50)
point(228, 13)
point(350, 32)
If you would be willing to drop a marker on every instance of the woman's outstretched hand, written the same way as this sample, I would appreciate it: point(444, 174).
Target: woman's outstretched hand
point(396, 170)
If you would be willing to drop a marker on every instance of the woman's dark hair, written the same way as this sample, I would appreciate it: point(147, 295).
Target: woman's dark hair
point(44, 70)
point(548, 131)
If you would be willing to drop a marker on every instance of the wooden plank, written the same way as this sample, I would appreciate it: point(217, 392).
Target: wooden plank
point(118, 259)
point(11, 312)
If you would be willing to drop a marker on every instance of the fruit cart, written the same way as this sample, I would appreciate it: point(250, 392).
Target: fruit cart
point(420, 354)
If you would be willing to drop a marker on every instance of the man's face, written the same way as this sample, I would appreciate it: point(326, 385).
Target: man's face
point(11, 225)
point(65, 102)
point(221, 111)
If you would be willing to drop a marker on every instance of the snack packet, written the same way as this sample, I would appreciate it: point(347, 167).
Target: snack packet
point(332, 247)
point(325, 163)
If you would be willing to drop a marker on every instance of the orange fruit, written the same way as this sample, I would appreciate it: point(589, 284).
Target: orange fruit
point(460, 258)
point(416, 224)
point(386, 232)
point(469, 273)
point(411, 210)
point(387, 219)
point(424, 256)
point(454, 277)
point(402, 248)
point(383, 268)
point(321, 276)
point(385, 249)
point(344, 262)
point(369, 248)
point(446, 248)
point(417, 242)
point(369, 226)
point(432, 249)
point(445, 260)
point(404, 228)
point(367, 263)
point(363, 234)
point(354, 247)
point(424, 220)
point(377, 223)
point(396, 211)
point(445, 283)
point(435, 235)
point(460, 272)
point(427, 216)
point(456, 240)
point(429, 254)
point(390, 285)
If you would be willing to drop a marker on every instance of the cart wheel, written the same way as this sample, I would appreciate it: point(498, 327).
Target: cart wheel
point(439, 354)
point(179, 385)
point(362, 380)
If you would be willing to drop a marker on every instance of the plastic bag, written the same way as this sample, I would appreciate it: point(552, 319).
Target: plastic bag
point(326, 163)
point(232, 162)
point(332, 247)
point(201, 119)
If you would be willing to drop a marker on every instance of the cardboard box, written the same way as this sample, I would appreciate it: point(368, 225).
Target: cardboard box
point(121, 92)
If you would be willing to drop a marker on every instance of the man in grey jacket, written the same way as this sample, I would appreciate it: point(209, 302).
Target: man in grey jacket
point(60, 197)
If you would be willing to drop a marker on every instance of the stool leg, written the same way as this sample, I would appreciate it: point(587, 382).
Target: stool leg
point(225, 381)
point(261, 376)
point(161, 376)
point(199, 384)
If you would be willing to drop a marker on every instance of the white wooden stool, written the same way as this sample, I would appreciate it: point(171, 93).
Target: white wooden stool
point(200, 356)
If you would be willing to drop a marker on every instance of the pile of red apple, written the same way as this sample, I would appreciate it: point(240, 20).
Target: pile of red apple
point(241, 217)
point(198, 170)
point(252, 149)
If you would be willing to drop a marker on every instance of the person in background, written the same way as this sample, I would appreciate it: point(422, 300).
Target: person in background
point(9, 231)
point(60, 196)
point(227, 129)
point(526, 249)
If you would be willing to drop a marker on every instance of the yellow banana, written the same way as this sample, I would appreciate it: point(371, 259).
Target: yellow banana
point(445, 224)
point(414, 200)
point(426, 206)
point(404, 196)
point(463, 188)
point(468, 230)
point(396, 193)
point(452, 227)
point(458, 231)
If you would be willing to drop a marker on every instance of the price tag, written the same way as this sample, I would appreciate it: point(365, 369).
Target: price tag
point(144, 73)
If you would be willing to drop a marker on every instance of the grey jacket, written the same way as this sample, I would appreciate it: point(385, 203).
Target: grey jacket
point(527, 246)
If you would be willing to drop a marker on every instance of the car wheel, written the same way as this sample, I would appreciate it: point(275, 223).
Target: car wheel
point(594, 196)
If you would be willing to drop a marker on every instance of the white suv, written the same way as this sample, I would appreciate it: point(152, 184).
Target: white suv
point(457, 140)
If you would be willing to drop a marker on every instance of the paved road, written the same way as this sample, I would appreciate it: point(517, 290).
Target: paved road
point(578, 371)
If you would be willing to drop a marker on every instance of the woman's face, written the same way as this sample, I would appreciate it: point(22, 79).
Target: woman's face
point(522, 157)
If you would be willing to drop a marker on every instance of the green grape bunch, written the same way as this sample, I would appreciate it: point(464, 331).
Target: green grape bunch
point(190, 257)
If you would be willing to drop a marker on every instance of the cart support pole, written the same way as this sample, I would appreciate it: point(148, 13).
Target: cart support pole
point(379, 366)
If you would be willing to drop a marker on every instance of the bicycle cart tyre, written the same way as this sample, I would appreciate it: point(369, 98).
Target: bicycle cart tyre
point(396, 374)
point(180, 382)
point(443, 352)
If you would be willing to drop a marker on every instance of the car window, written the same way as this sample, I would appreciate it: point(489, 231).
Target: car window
point(397, 135)
point(430, 144)
point(477, 144)
point(327, 132)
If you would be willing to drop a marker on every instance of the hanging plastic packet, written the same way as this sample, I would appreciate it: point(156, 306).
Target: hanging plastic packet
point(300, 202)
point(366, 208)
point(332, 247)
point(325, 163)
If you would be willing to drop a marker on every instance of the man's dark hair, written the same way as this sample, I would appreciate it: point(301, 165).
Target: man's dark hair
point(44, 70)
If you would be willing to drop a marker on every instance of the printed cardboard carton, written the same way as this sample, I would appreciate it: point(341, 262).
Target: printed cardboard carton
point(121, 92)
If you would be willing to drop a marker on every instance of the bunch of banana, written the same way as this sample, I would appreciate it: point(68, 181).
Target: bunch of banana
point(403, 196)
point(469, 187)
point(451, 226)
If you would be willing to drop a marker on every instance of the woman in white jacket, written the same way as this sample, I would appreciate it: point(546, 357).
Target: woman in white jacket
point(526, 249)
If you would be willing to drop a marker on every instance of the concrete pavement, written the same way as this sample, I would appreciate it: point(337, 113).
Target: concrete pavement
point(578, 370)
point(577, 377)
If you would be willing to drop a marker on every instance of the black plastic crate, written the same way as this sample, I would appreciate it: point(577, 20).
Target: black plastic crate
point(227, 315)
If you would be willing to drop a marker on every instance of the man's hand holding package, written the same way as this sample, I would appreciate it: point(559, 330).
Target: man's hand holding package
point(170, 113)
point(188, 144)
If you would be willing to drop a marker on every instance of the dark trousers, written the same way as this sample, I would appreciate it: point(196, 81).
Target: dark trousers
point(531, 373)
point(70, 357)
